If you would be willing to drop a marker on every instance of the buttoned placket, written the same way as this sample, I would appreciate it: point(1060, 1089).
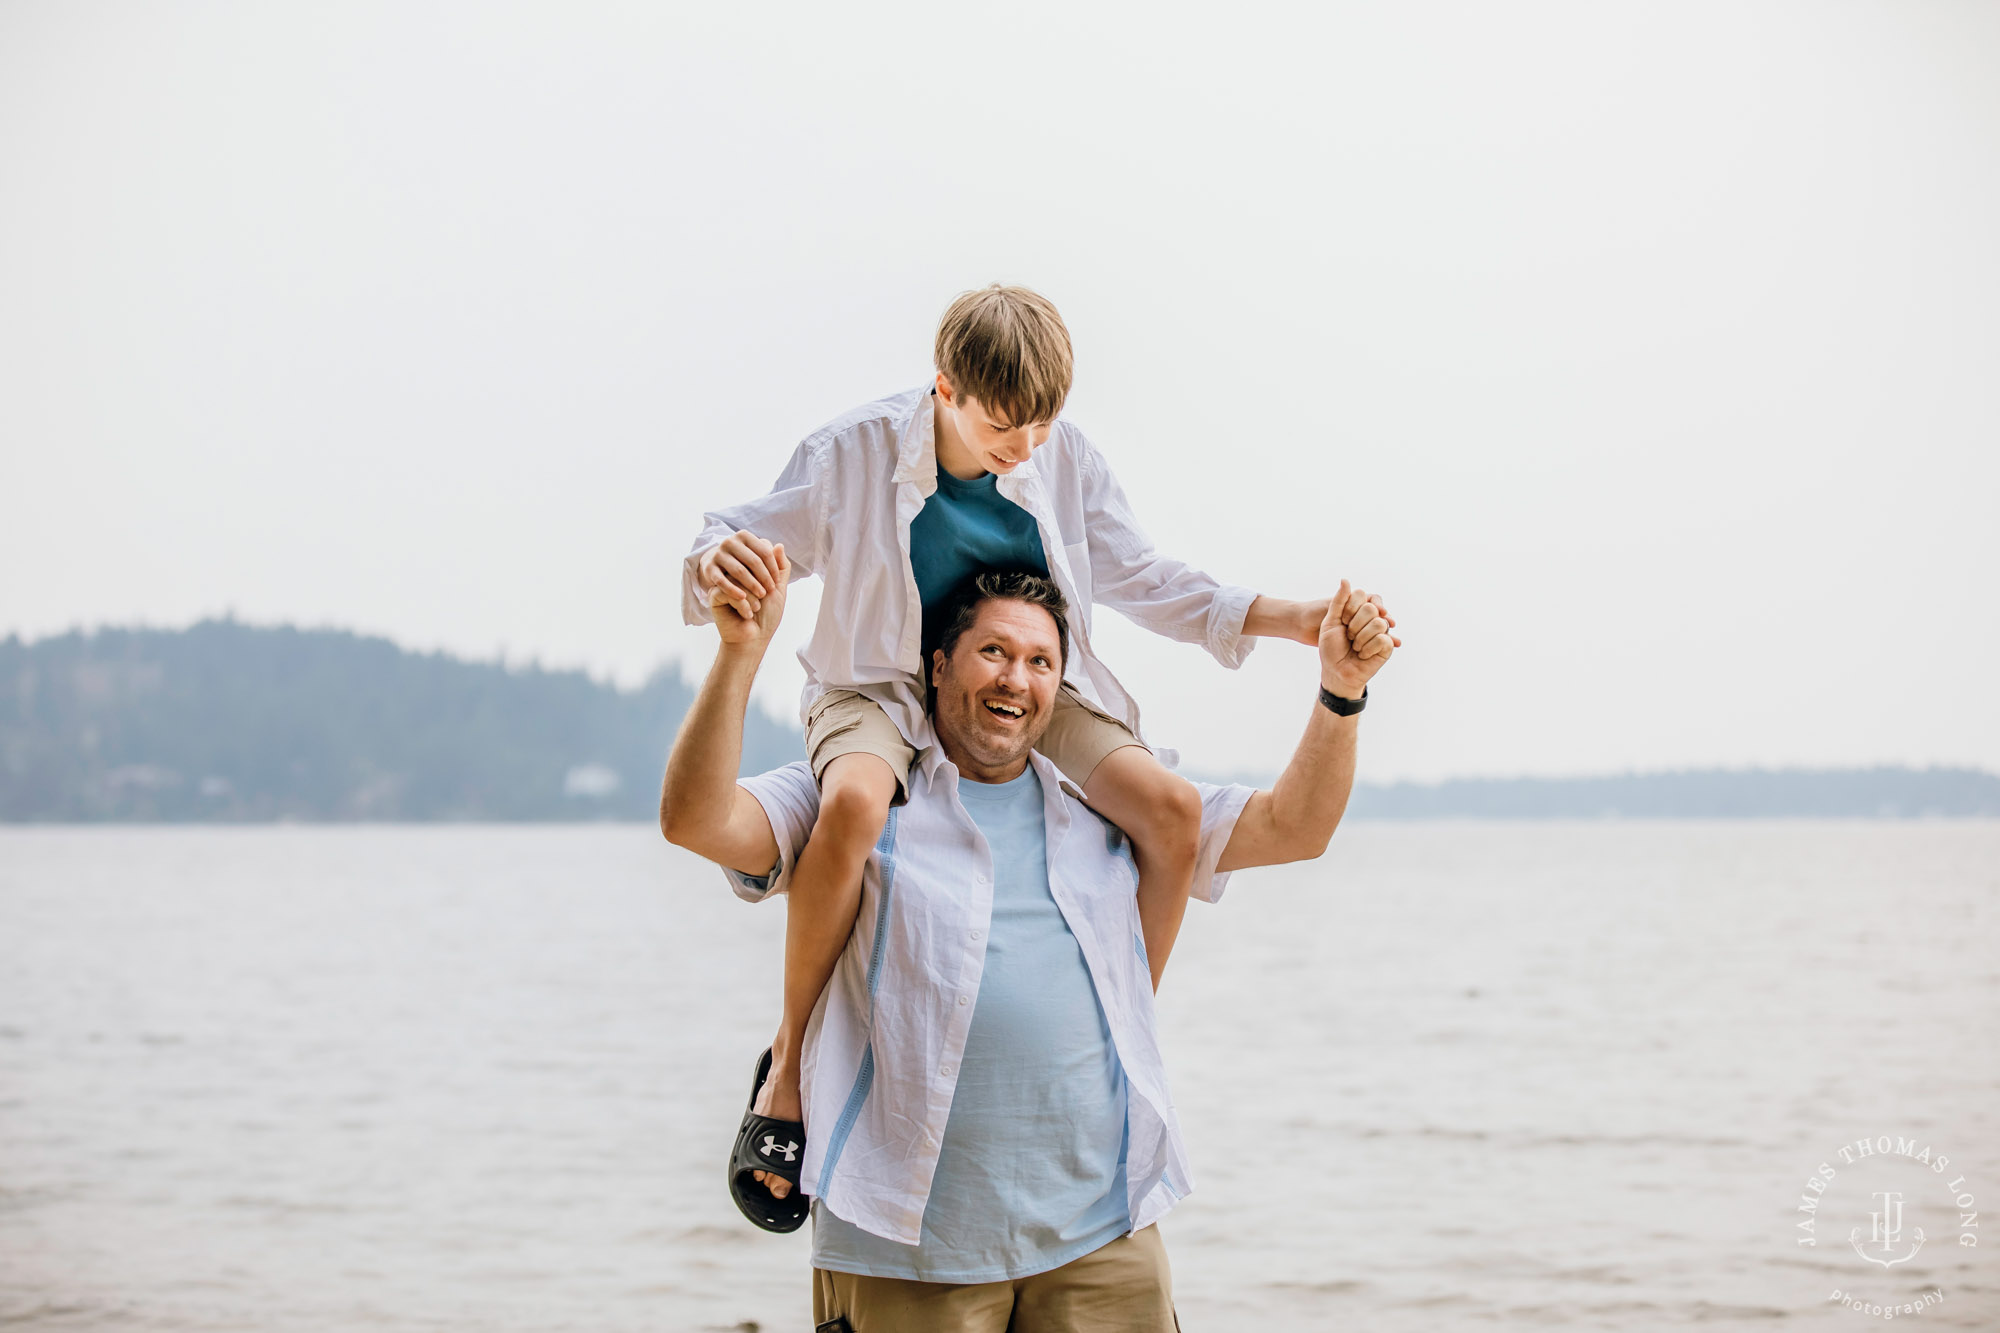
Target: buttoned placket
point(1057, 819)
point(916, 481)
point(972, 952)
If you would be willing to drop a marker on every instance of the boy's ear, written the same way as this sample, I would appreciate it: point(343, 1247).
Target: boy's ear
point(937, 663)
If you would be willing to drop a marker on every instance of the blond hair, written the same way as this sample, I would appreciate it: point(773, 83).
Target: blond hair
point(1007, 347)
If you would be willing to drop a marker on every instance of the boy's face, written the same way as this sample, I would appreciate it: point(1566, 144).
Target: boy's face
point(997, 445)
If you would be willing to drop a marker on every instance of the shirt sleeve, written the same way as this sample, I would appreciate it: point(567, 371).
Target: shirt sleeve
point(1161, 594)
point(792, 514)
point(790, 799)
point(1221, 807)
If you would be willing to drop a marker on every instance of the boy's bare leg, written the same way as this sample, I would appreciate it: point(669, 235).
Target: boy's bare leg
point(825, 897)
point(1161, 814)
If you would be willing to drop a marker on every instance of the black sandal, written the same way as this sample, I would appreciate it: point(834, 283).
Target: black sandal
point(774, 1147)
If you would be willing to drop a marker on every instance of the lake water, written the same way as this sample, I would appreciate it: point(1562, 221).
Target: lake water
point(1451, 1076)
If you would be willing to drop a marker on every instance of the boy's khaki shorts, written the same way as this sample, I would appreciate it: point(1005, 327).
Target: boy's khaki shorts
point(1124, 1287)
point(843, 722)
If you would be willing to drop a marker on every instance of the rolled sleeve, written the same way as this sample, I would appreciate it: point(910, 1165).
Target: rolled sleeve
point(1221, 807)
point(790, 799)
point(751, 888)
point(1226, 640)
point(695, 609)
point(792, 515)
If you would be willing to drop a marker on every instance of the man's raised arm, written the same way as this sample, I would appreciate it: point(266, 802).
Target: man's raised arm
point(701, 807)
point(1295, 820)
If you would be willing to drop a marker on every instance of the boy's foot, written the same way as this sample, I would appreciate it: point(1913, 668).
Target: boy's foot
point(767, 1148)
point(779, 1099)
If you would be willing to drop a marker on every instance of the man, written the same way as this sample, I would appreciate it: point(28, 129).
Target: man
point(991, 1135)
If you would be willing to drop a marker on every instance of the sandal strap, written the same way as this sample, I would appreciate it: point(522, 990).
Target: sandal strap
point(776, 1147)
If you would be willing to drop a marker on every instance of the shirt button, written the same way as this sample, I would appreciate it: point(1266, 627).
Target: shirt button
point(962, 1002)
point(975, 934)
point(945, 1070)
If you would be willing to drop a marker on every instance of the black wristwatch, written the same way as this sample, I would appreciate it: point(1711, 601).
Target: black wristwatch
point(1340, 707)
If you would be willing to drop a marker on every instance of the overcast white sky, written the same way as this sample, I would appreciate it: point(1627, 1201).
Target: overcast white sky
point(1643, 357)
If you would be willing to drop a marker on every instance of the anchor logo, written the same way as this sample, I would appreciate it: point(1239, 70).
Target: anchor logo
point(791, 1152)
point(1887, 1231)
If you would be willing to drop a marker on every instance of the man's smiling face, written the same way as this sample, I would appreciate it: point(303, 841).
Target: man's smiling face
point(996, 692)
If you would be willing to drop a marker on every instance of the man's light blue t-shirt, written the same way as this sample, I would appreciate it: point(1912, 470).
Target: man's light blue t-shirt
point(1031, 1170)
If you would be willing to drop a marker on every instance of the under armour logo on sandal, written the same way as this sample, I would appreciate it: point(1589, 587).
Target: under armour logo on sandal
point(790, 1150)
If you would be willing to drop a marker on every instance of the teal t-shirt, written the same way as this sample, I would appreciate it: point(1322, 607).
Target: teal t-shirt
point(965, 527)
point(1031, 1170)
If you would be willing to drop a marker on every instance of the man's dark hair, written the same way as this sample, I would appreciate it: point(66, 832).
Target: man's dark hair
point(954, 615)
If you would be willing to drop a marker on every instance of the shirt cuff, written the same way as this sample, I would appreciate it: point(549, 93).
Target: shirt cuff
point(1226, 614)
point(751, 888)
point(695, 609)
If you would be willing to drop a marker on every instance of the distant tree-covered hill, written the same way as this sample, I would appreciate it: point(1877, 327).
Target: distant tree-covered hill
point(228, 721)
point(1854, 793)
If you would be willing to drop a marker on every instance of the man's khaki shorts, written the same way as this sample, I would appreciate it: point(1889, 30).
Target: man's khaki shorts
point(1123, 1287)
point(843, 722)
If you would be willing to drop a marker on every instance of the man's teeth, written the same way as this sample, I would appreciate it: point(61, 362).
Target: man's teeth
point(1007, 710)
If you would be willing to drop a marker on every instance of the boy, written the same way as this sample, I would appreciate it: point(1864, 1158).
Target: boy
point(893, 504)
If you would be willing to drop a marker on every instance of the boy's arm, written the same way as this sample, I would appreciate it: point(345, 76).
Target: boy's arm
point(1276, 618)
point(791, 515)
point(1162, 594)
point(1170, 598)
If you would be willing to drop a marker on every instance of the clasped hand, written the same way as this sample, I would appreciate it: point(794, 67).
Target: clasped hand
point(743, 618)
point(1354, 641)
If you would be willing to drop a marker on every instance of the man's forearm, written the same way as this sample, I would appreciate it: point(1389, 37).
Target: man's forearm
point(1295, 820)
point(1311, 794)
point(700, 786)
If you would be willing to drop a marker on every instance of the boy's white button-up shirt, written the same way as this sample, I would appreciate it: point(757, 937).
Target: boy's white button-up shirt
point(883, 1048)
point(842, 509)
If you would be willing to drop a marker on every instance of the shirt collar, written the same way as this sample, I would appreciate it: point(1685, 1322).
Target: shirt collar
point(1053, 776)
point(916, 443)
point(931, 762)
point(931, 758)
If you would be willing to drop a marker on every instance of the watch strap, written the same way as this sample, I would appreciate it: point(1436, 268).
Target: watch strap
point(1340, 707)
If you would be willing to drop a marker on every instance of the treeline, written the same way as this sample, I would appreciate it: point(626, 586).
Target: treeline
point(1857, 793)
point(228, 721)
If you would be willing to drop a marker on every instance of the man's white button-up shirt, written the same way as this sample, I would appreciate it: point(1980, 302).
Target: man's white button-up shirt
point(883, 1048)
point(842, 509)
